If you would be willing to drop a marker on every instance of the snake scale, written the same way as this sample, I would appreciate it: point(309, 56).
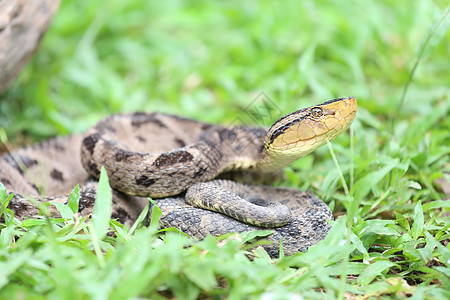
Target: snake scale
point(175, 161)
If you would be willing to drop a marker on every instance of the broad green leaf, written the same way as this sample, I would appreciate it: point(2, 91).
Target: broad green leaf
point(418, 220)
point(444, 251)
point(377, 226)
point(360, 247)
point(33, 222)
point(414, 185)
point(443, 270)
point(74, 199)
point(7, 235)
point(374, 270)
point(402, 220)
point(383, 230)
point(436, 204)
point(64, 210)
point(102, 207)
point(362, 187)
point(352, 268)
point(427, 251)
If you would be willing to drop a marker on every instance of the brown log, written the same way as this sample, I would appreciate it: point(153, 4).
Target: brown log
point(22, 25)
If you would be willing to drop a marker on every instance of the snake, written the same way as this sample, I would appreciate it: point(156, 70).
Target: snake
point(186, 166)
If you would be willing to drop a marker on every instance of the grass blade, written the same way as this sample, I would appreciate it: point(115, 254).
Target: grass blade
point(141, 218)
point(155, 215)
point(74, 199)
point(418, 219)
point(103, 206)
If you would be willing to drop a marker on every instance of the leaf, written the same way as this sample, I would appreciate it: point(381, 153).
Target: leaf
point(74, 199)
point(360, 247)
point(255, 234)
point(64, 210)
point(281, 255)
point(436, 204)
point(352, 268)
point(443, 251)
point(11, 265)
point(378, 227)
point(3, 136)
point(103, 206)
point(201, 274)
point(3, 195)
point(402, 221)
point(120, 231)
point(427, 251)
point(141, 218)
point(330, 181)
point(33, 222)
point(362, 187)
point(374, 270)
point(4, 201)
point(443, 270)
point(380, 230)
point(155, 215)
point(333, 249)
point(417, 227)
point(414, 185)
point(173, 229)
point(7, 236)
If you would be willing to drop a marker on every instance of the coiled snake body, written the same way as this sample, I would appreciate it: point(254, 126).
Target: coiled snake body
point(175, 159)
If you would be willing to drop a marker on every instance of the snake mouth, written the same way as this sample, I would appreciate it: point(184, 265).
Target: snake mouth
point(305, 130)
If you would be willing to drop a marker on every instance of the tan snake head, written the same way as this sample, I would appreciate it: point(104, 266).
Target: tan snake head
point(301, 132)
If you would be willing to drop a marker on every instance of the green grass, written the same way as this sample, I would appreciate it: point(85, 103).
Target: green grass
point(391, 233)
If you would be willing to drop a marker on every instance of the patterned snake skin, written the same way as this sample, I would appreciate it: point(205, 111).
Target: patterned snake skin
point(174, 160)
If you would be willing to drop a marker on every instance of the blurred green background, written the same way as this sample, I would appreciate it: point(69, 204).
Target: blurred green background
point(208, 59)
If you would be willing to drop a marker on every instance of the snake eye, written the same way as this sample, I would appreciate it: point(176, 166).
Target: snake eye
point(316, 112)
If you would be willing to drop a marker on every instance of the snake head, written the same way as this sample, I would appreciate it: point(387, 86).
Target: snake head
point(301, 132)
